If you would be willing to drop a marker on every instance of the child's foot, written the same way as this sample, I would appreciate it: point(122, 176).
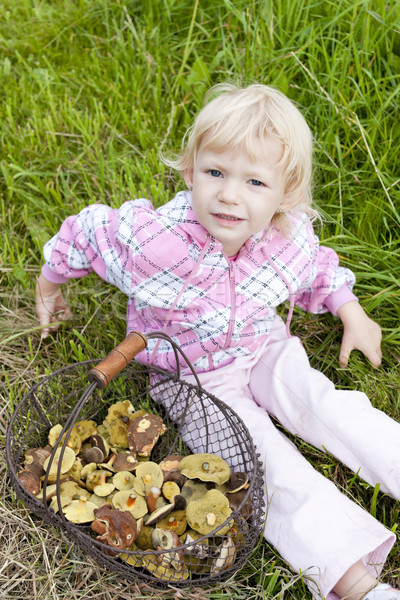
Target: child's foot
point(383, 591)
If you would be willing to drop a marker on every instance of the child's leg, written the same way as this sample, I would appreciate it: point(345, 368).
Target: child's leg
point(318, 530)
point(343, 423)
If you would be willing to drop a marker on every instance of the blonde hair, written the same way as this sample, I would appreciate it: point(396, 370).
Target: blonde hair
point(235, 118)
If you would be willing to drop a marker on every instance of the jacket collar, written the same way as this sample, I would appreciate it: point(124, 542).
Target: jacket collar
point(180, 210)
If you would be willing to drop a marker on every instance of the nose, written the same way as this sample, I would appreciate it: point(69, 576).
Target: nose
point(229, 192)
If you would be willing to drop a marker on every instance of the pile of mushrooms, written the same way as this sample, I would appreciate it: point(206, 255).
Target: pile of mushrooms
point(136, 506)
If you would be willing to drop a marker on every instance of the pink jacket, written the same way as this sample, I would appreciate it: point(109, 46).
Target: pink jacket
point(178, 279)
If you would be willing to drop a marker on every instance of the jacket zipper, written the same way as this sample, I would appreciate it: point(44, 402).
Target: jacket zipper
point(232, 315)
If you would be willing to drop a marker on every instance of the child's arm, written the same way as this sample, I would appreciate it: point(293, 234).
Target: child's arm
point(360, 333)
point(50, 305)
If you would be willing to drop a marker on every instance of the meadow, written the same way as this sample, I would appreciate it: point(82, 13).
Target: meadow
point(91, 92)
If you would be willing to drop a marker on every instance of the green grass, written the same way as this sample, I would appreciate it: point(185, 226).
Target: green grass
point(90, 92)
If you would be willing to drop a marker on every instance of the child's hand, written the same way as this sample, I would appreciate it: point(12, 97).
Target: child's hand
point(360, 333)
point(50, 305)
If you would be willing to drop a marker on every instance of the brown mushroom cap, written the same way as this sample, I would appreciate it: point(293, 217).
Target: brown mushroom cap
point(208, 513)
point(170, 463)
point(125, 461)
point(30, 480)
point(98, 441)
point(117, 528)
point(143, 433)
point(238, 481)
point(34, 459)
point(93, 455)
point(206, 467)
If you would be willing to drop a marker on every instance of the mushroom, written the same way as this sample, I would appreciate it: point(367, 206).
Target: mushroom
point(69, 490)
point(30, 481)
point(87, 469)
point(125, 461)
point(164, 539)
point(94, 454)
point(236, 498)
point(93, 479)
point(115, 528)
point(74, 441)
point(103, 488)
point(206, 467)
point(200, 549)
point(159, 570)
point(225, 557)
point(34, 459)
point(85, 429)
point(154, 499)
point(80, 510)
point(135, 560)
point(144, 541)
point(98, 441)
point(123, 480)
point(175, 521)
point(194, 490)
point(51, 490)
point(238, 481)
point(130, 501)
point(159, 514)
point(67, 461)
point(148, 475)
point(170, 469)
point(116, 423)
point(143, 433)
point(208, 513)
point(170, 489)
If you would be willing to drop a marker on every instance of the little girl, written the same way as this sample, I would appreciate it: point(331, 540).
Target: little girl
point(210, 268)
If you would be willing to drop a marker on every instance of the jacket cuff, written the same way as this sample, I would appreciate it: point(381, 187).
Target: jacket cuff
point(335, 300)
point(51, 276)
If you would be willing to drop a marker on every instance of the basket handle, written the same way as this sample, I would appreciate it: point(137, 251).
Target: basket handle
point(118, 359)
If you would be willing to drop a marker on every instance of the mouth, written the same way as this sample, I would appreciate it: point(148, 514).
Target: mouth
point(227, 217)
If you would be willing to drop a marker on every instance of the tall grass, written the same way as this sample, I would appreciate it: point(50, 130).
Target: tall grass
point(90, 92)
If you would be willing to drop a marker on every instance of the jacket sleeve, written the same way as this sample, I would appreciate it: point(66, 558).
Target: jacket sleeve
point(105, 241)
point(329, 285)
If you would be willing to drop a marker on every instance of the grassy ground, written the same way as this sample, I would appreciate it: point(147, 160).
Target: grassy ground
point(91, 91)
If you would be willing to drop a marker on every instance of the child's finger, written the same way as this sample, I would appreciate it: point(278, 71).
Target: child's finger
point(345, 351)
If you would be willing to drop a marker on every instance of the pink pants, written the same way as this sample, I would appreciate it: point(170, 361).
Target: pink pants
point(318, 530)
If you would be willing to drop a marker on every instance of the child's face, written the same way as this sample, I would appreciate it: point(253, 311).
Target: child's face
point(234, 197)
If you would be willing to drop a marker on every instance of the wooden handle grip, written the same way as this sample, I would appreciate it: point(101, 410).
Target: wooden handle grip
point(118, 359)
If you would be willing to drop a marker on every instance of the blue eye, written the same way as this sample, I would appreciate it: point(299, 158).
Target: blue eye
point(215, 173)
point(256, 182)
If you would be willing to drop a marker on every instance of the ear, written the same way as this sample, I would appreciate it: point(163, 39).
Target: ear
point(188, 177)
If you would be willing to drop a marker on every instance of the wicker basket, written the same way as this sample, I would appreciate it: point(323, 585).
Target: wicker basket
point(196, 422)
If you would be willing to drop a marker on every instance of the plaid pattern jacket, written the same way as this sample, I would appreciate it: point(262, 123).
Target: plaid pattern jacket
point(178, 279)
